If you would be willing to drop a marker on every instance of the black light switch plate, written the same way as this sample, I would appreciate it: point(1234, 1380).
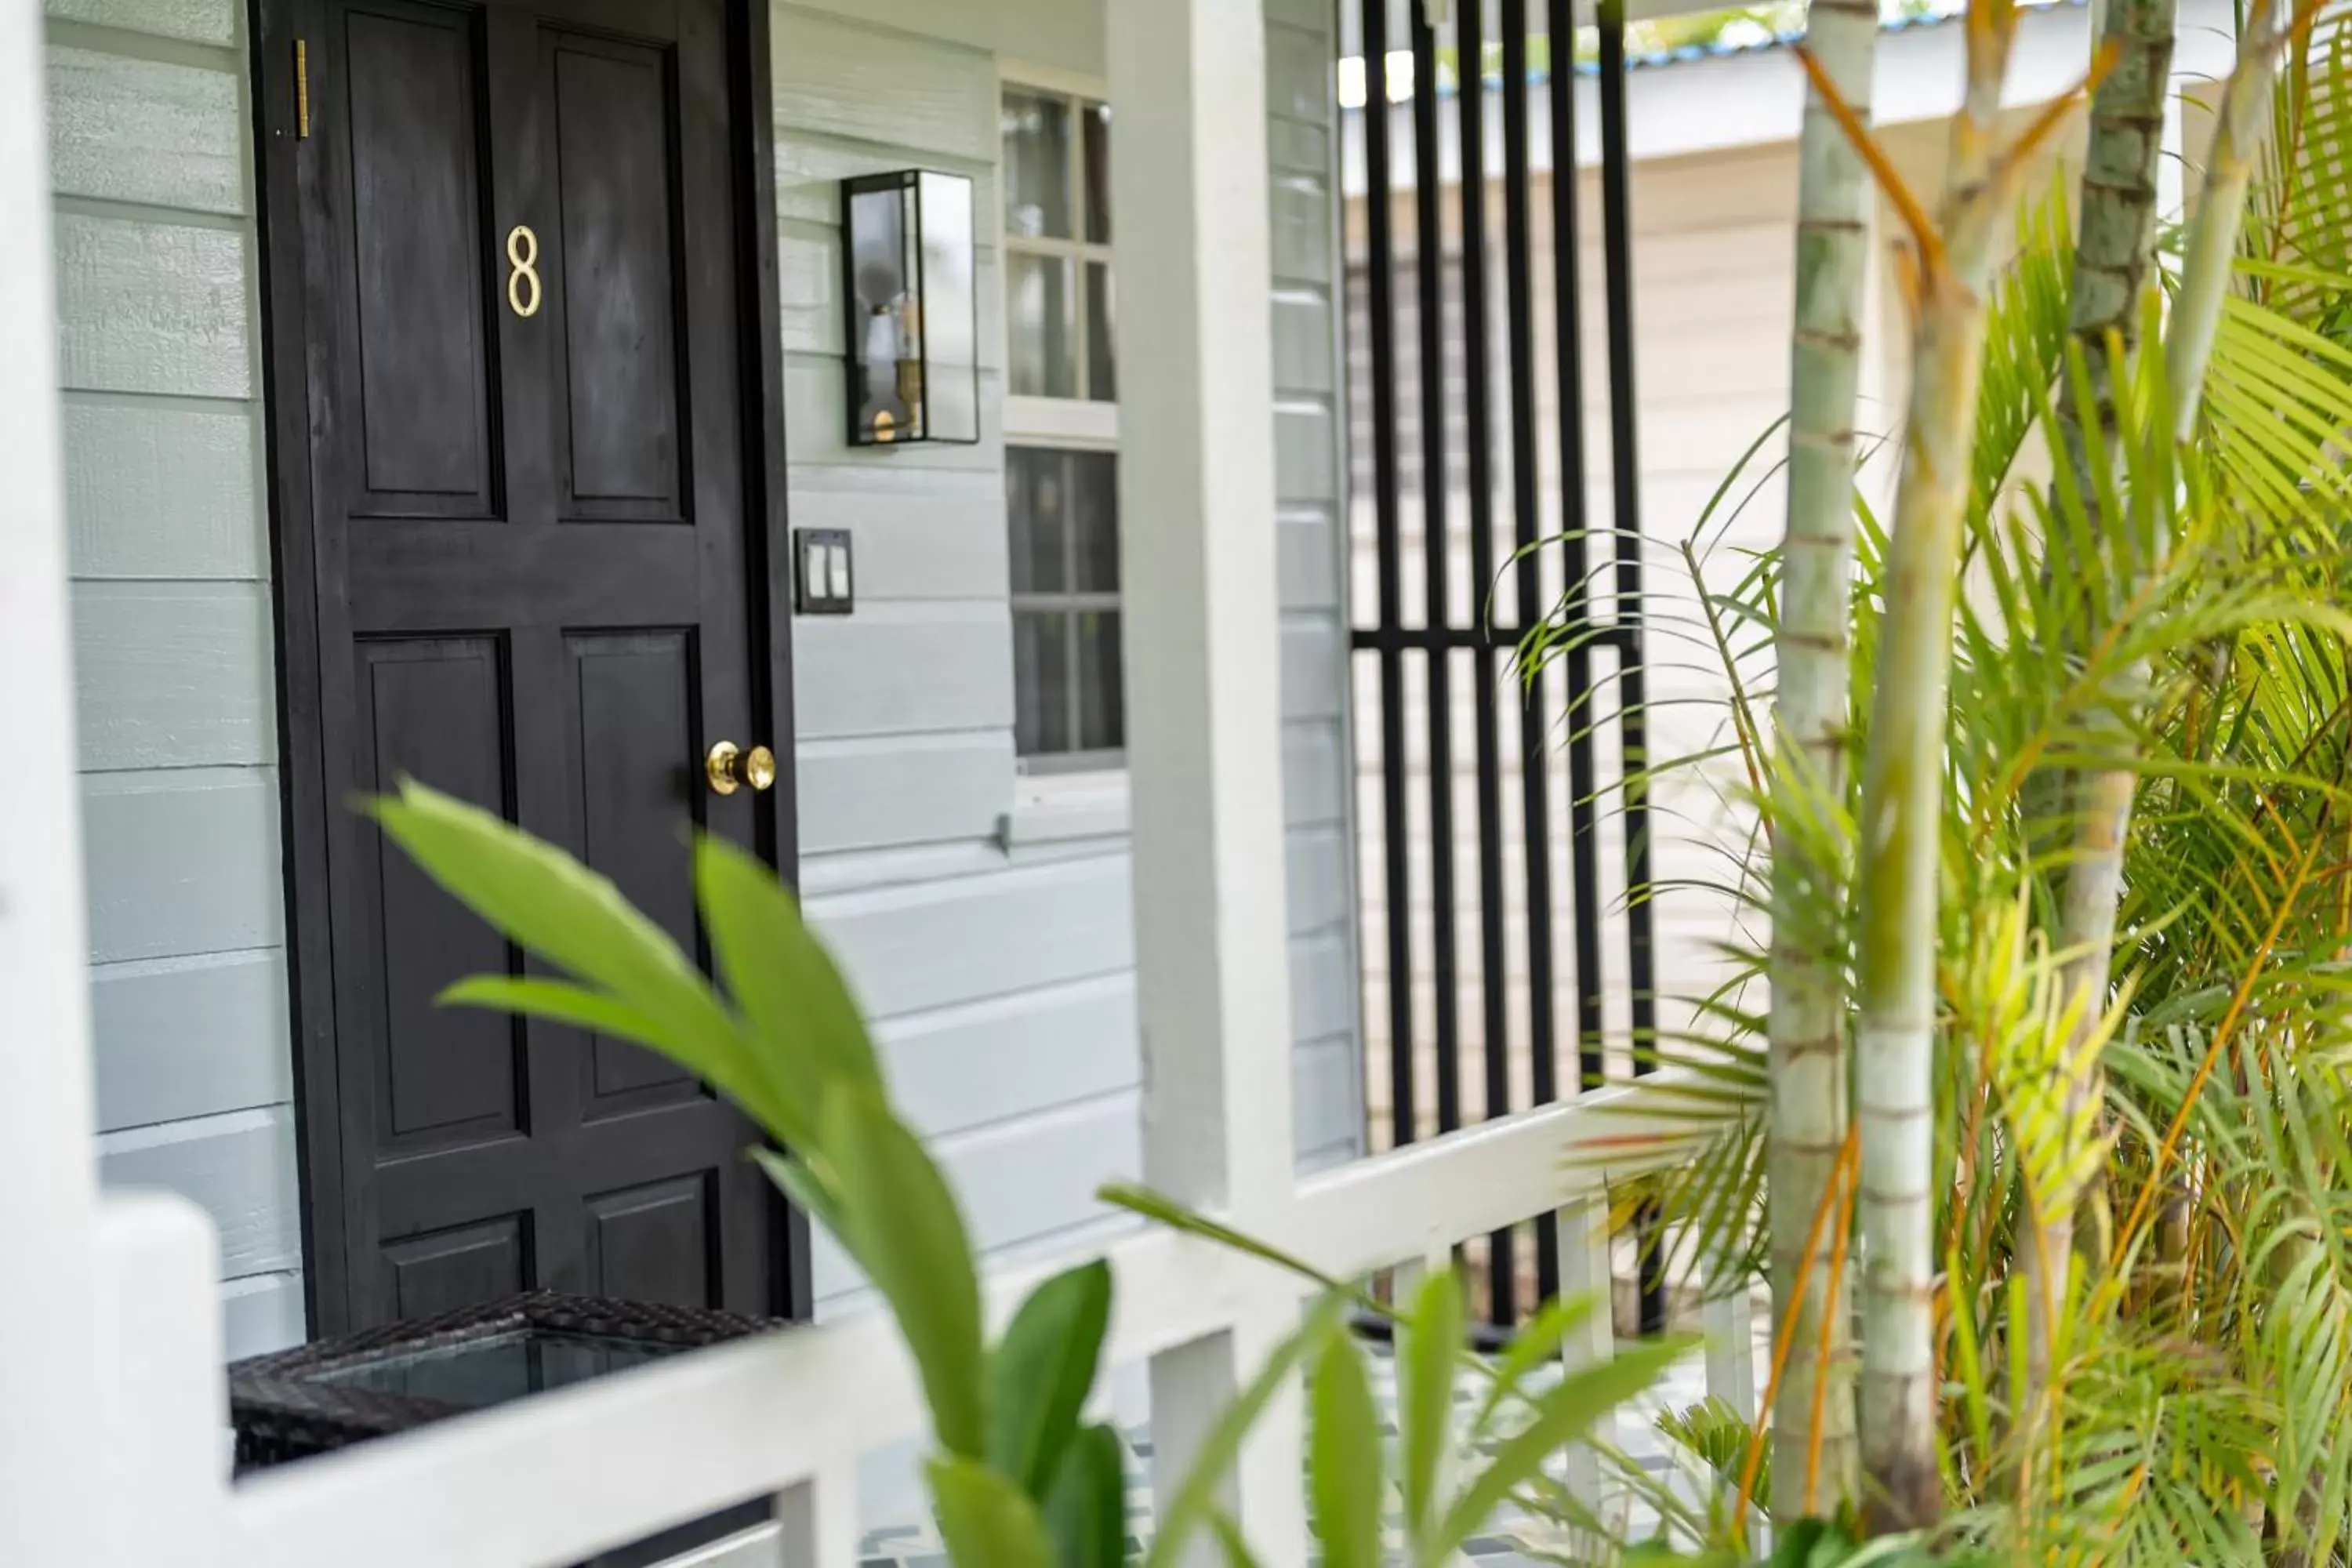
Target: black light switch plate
point(823, 584)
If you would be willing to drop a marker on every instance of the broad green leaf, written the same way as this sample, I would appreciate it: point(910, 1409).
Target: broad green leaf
point(1040, 1372)
point(1803, 1540)
point(1534, 1345)
point(558, 1002)
point(541, 898)
point(1562, 1414)
point(1427, 1355)
point(907, 1233)
point(1196, 1494)
point(1086, 1507)
point(783, 981)
point(797, 1181)
point(1344, 1449)
point(985, 1518)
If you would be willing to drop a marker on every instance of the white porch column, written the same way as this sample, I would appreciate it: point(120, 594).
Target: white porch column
point(1191, 224)
point(50, 1500)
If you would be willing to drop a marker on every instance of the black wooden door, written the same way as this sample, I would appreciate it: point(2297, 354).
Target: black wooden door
point(532, 547)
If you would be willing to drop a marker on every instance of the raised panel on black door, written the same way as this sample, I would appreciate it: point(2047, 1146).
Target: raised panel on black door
point(435, 710)
point(639, 793)
point(655, 1242)
point(619, 450)
point(459, 1266)
point(425, 381)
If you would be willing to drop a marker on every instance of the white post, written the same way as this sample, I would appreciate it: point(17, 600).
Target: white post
point(50, 1495)
point(1586, 1269)
point(1197, 541)
point(165, 1405)
point(817, 1520)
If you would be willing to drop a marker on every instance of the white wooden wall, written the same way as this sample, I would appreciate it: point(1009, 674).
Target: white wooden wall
point(158, 342)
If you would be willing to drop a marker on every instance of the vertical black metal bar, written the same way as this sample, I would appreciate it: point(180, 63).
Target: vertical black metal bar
point(1624, 467)
point(1429, 275)
point(1470, 94)
point(1380, 277)
point(1534, 804)
point(1583, 860)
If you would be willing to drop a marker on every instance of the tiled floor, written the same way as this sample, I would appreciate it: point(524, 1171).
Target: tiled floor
point(1506, 1544)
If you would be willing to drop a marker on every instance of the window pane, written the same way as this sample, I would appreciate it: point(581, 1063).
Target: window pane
point(1093, 518)
point(1037, 500)
point(1037, 326)
point(1036, 170)
point(1040, 683)
point(1094, 118)
point(1102, 378)
point(1102, 702)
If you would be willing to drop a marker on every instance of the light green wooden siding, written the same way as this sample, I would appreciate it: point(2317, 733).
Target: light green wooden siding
point(158, 349)
point(1311, 546)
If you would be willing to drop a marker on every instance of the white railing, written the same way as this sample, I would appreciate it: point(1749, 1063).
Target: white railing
point(569, 1473)
point(111, 1406)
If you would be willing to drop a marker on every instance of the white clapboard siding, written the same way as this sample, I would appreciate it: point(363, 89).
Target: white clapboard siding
point(196, 21)
point(885, 791)
point(155, 132)
point(164, 488)
point(174, 651)
point(174, 675)
point(190, 1036)
point(238, 1166)
point(147, 305)
point(261, 1313)
point(1306, 312)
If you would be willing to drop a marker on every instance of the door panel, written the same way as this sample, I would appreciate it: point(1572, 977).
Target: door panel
point(637, 694)
point(530, 544)
point(618, 195)
point(436, 708)
point(425, 375)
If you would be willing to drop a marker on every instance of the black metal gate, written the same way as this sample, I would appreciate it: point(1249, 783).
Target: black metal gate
point(1487, 475)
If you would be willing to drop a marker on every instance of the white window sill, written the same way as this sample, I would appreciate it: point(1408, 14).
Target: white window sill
point(1063, 808)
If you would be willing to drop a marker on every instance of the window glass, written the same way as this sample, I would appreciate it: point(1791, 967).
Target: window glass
point(1037, 501)
point(1102, 378)
point(1102, 707)
point(1038, 326)
point(1095, 119)
point(1041, 682)
point(1093, 529)
point(1036, 164)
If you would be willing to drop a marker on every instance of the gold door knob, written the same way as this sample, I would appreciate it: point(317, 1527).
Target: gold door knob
point(729, 768)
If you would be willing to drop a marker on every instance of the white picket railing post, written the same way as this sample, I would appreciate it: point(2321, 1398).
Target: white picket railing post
point(1202, 653)
point(817, 1519)
point(1585, 1268)
point(164, 1405)
point(49, 1192)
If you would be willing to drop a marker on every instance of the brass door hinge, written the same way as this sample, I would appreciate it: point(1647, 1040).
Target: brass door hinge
point(302, 89)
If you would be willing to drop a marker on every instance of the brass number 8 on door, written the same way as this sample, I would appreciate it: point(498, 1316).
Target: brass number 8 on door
point(522, 283)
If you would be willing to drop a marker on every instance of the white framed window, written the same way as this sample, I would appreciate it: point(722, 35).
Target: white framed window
point(1061, 424)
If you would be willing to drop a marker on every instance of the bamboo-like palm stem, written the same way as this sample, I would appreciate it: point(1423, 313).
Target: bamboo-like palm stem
point(2239, 133)
point(1902, 811)
point(1812, 1415)
point(2112, 249)
point(2102, 800)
